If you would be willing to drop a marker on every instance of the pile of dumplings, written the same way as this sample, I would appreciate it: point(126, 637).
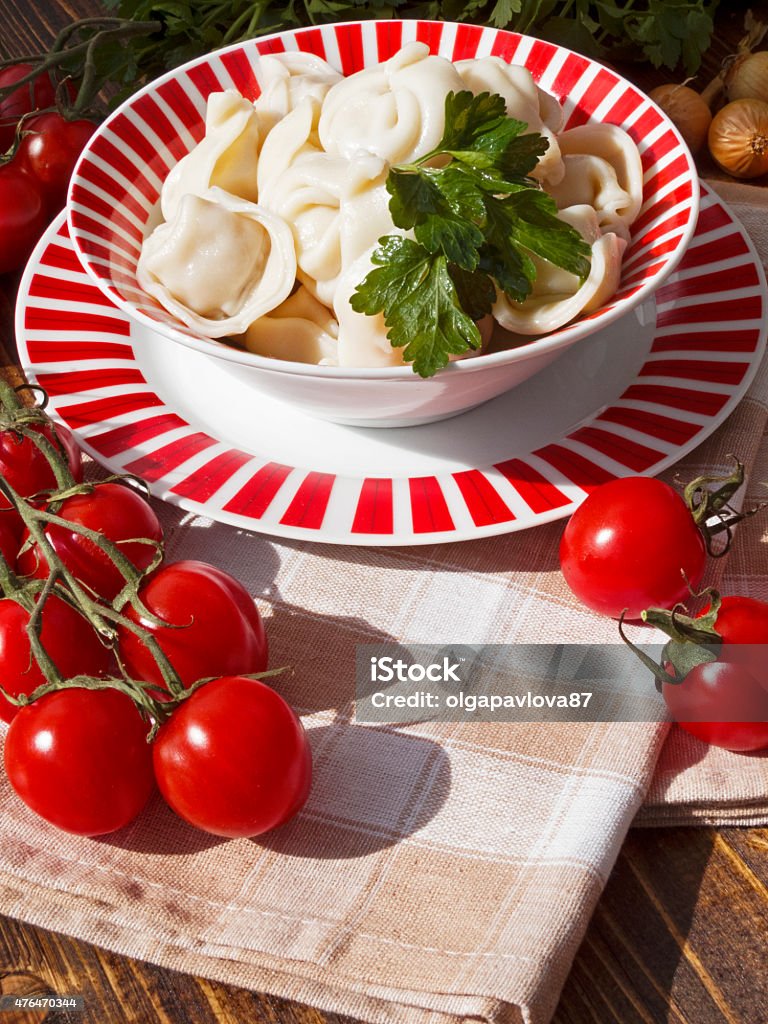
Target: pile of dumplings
point(269, 223)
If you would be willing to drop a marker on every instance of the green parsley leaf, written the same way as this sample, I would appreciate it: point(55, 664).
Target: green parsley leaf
point(420, 302)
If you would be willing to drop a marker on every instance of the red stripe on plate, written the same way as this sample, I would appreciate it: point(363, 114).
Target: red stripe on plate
point(122, 439)
point(350, 45)
point(68, 320)
point(723, 248)
point(256, 496)
point(539, 493)
point(88, 380)
point(183, 107)
point(706, 284)
point(204, 79)
point(642, 128)
point(107, 184)
point(76, 351)
point(431, 33)
point(429, 509)
point(676, 220)
point(568, 75)
point(709, 341)
point(115, 158)
point(467, 41)
point(713, 218)
point(310, 502)
point(159, 463)
point(60, 257)
point(389, 39)
point(539, 58)
point(274, 45)
point(624, 107)
point(111, 212)
point(601, 85)
point(675, 431)
point(506, 45)
point(576, 468)
point(705, 403)
point(374, 513)
point(116, 250)
point(696, 369)
point(203, 482)
point(310, 40)
point(725, 311)
point(101, 409)
point(678, 167)
point(240, 70)
point(483, 500)
point(640, 276)
point(641, 256)
point(44, 287)
point(147, 108)
point(630, 454)
point(139, 142)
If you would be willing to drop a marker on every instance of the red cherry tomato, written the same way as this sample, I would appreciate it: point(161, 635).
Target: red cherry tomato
point(221, 631)
point(721, 703)
point(742, 622)
point(49, 151)
point(9, 539)
point(80, 759)
point(23, 216)
point(233, 759)
point(67, 637)
point(118, 513)
point(28, 97)
point(632, 544)
point(26, 468)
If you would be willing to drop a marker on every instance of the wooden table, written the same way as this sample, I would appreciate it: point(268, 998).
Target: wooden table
point(680, 932)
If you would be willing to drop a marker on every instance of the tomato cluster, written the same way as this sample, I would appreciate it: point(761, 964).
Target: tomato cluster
point(34, 182)
point(635, 548)
point(179, 648)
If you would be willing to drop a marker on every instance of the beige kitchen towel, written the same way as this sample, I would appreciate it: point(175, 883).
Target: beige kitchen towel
point(439, 872)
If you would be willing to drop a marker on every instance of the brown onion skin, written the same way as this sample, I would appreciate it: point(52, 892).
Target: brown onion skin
point(738, 138)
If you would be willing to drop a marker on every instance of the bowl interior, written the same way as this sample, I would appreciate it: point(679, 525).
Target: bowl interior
point(117, 183)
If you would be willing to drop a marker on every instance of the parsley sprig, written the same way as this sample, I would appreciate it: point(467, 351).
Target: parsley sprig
point(477, 217)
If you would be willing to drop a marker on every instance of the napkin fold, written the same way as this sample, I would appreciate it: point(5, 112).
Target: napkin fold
point(440, 872)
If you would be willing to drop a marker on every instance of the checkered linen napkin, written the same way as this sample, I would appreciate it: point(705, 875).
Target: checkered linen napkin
point(441, 872)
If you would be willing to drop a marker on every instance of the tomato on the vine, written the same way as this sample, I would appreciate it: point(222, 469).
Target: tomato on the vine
point(25, 98)
point(214, 627)
point(23, 216)
point(115, 511)
point(67, 637)
point(80, 759)
point(632, 544)
point(49, 150)
point(25, 467)
point(9, 540)
point(233, 759)
point(721, 703)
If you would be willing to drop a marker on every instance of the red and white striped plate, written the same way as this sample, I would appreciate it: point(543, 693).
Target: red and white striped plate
point(633, 398)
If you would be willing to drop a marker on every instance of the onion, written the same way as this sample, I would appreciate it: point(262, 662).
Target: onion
point(738, 138)
point(747, 77)
point(686, 110)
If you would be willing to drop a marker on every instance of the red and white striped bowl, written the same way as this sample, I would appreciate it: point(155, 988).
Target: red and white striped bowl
point(117, 183)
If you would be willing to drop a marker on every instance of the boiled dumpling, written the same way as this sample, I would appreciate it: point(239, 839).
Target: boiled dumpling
point(286, 79)
point(226, 157)
point(395, 110)
point(300, 329)
point(221, 263)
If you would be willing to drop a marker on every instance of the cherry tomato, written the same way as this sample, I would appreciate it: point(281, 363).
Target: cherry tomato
point(66, 636)
point(49, 150)
point(23, 216)
point(80, 759)
point(632, 544)
point(26, 98)
point(721, 703)
point(118, 513)
point(233, 759)
point(221, 631)
point(742, 622)
point(26, 468)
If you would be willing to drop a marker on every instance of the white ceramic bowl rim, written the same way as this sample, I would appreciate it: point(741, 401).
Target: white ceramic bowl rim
point(561, 338)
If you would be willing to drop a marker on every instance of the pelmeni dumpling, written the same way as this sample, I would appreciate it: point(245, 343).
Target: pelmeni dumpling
point(603, 169)
point(525, 101)
point(285, 80)
point(221, 263)
point(363, 339)
point(336, 208)
point(395, 110)
point(300, 329)
point(558, 296)
point(292, 137)
point(225, 157)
